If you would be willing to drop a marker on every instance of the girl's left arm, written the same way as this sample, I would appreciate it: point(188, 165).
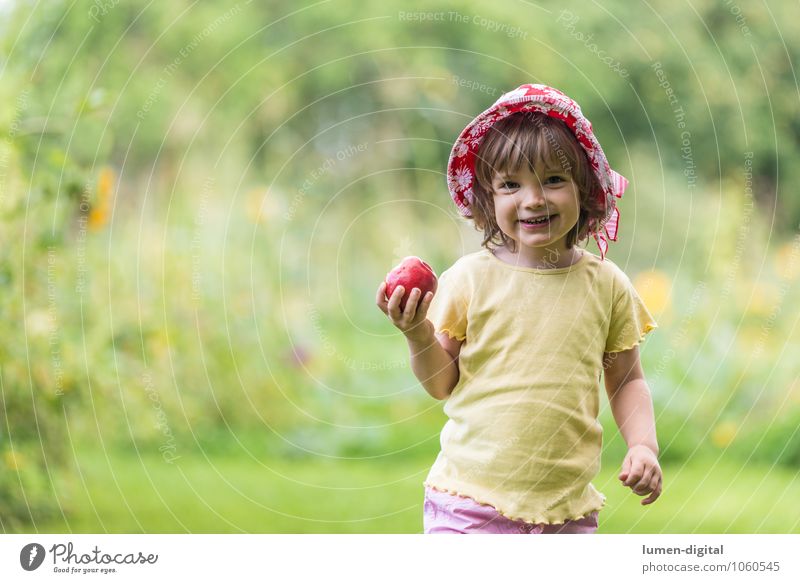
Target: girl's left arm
point(632, 407)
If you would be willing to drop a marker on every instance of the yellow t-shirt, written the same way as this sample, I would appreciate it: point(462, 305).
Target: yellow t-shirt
point(522, 434)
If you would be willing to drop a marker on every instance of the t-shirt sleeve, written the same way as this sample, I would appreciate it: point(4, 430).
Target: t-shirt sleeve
point(630, 319)
point(448, 309)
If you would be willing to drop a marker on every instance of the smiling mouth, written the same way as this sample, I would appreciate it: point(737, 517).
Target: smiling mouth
point(543, 221)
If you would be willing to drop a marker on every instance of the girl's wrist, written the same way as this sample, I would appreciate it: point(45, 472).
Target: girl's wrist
point(650, 446)
point(421, 334)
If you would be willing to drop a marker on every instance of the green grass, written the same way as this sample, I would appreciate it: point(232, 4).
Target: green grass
point(706, 496)
point(227, 494)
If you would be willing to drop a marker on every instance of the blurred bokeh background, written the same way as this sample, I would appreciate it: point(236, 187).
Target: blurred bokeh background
point(199, 201)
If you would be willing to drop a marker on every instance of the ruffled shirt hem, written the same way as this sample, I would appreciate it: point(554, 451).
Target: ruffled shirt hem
point(648, 328)
point(451, 334)
point(536, 520)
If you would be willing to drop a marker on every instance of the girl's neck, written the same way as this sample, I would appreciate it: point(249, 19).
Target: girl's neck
point(547, 259)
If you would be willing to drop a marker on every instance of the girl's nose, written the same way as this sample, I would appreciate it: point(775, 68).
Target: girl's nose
point(534, 196)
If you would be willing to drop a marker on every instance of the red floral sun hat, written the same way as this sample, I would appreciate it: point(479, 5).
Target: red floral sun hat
point(552, 102)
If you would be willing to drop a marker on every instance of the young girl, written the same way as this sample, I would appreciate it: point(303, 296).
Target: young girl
point(518, 334)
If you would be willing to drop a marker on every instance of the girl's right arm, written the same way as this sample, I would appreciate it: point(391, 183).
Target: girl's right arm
point(434, 361)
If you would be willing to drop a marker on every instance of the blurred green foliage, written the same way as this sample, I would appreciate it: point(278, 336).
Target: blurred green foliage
point(200, 199)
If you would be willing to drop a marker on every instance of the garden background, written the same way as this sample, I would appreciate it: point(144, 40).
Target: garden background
point(199, 200)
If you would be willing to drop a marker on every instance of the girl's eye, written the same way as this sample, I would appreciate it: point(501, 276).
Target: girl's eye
point(509, 185)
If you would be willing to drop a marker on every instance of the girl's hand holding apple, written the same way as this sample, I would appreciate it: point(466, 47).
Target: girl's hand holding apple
point(412, 321)
point(408, 311)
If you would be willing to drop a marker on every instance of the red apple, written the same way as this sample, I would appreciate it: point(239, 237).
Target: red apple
point(410, 273)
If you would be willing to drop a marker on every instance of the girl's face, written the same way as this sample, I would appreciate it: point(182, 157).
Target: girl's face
point(546, 192)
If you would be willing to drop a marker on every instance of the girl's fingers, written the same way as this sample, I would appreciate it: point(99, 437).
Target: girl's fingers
point(647, 483)
point(423, 301)
point(394, 302)
point(416, 304)
point(654, 495)
point(634, 473)
point(645, 488)
point(411, 304)
point(626, 470)
point(380, 297)
point(424, 305)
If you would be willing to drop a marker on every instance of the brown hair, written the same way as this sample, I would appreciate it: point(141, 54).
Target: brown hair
point(531, 137)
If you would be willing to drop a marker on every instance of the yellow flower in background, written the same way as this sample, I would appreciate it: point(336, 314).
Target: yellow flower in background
point(158, 342)
point(98, 216)
point(654, 288)
point(787, 261)
point(39, 323)
point(14, 461)
point(723, 434)
point(262, 205)
point(749, 338)
point(761, 299)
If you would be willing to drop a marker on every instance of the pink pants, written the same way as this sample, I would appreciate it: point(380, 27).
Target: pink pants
point(445, 513)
